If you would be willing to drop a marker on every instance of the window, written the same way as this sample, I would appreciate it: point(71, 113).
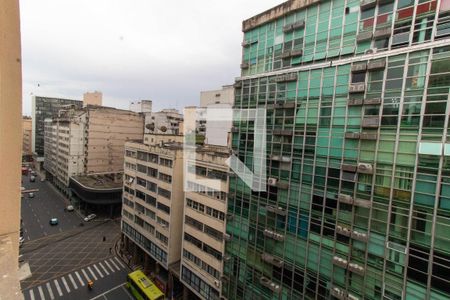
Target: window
point(141, 168)
point(163, 208)
point(163, 192)
point(142, 155)
point(152, 172)
point(165, 162)
point(153, 158)
point(165, 177)
point(151, 186)
point(141, 182)
point(216, 234)
point(194, 223)
point(162, 238)
point(150, 200)
point(150, 213)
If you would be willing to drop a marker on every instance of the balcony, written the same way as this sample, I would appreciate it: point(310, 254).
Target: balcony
point(299, 24)
point(348, 167)
point(286, 77)
point(382, 33)
point(364, 36)
point(340, 262)
point(245, 66)
point(276, 210)
point(273, 235)
point(352, 135)
point(283, 132)
point(359, 87)
point(376, 65)
point(347, 199)
point(365, 168)
point(355, 102)
point(286, 54)
point(355, 268)
point(246, 44)
point(343, 231)
point(339, 293)
point(359, 68)
point(372, 101)
point(272, 260)
point(270, 284)
point(287, 28)
point(283, 185)
point(359, 236)
point(368, 136)
point(362, 203)
point(295, 53)
point(367, 4)
point(371, 122)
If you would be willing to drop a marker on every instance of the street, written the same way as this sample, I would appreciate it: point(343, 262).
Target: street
point(47, 203)
point(64, 257)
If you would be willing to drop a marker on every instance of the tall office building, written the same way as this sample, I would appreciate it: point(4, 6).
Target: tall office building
point(358, 151)
point(44, 108)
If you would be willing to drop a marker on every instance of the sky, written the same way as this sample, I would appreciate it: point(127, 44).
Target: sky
point(165, 51)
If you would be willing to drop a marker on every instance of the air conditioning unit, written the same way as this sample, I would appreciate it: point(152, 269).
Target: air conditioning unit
point(226, 237)
point(345, 198)
point(365, 168)
point(272, 181)
point(217, 283)
point(371, 51)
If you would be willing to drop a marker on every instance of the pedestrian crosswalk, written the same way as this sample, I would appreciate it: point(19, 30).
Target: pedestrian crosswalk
point(59, 287)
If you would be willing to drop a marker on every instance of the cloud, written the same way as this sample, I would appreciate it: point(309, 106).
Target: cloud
point(166, 51)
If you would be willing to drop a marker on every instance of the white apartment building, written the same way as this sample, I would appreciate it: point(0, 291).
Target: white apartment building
point(205, 209)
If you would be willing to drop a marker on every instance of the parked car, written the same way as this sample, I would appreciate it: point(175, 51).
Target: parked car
point(54, 221)
point(33, 173)
point(31, 195)
point(90, 217)
point(69, 208)
point(32, 179)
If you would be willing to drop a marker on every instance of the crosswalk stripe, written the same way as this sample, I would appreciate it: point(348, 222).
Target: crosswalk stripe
point(50, 291)
point(41, 292)
point(79, 278)
point(109, 266)
point(98, 271)
point(114, 264)
point(119, 262)
point(85, 275)
point(58, 288)
point(104, 269)
point(31, 294)
point(65, 284)
point(73, 281)
point(92, 273)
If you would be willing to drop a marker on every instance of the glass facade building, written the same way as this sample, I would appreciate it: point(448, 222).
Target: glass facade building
point(358, 152)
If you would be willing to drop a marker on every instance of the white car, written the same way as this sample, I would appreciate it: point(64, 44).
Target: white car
point(90, 217)
point(31, 195)
point(69, 208)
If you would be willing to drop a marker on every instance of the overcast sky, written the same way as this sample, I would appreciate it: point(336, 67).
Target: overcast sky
point(165, 51)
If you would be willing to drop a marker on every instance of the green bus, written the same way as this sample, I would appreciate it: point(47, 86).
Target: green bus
point(142, 287)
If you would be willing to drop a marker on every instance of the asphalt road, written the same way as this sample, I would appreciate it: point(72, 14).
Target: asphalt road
point(107, 274)
point(47, 203)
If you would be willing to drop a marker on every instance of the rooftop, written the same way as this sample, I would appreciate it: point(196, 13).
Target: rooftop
point(100, 181)
point(275, 13)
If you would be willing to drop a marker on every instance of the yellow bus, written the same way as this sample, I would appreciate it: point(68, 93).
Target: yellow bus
point(142, 287)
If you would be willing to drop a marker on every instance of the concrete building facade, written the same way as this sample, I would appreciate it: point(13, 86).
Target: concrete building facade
point(141, 106)
point(205, 209)
point(10, 147)
point(88, 141)
point(166, 121)
point(27, 150)
point(152, 210)
point(93, 98)
point(44, 108)
point(222, 96)
point(357, 204)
